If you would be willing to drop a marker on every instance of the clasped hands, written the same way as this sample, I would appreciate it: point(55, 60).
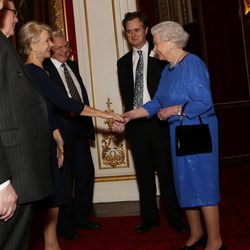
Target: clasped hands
point(119, 122)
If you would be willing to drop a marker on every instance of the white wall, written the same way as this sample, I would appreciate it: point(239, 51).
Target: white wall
point(100, 43)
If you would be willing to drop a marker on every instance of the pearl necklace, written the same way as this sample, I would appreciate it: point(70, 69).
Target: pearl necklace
point(178, 59)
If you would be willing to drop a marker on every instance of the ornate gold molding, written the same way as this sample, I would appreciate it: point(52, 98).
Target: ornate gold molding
point(116, 178)
point(113, 151)
point(58, 16)
point(176, 10)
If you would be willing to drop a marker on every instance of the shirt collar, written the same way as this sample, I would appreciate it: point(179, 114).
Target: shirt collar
point(144, 49)
point(56, 62)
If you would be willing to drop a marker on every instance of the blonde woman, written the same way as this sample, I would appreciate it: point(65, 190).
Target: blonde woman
point(35, 44)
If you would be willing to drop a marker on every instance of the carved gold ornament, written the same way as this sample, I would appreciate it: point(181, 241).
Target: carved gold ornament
point(113, 153)
point(58, 16)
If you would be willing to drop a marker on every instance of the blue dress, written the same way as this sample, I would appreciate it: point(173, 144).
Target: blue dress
point(196, 176)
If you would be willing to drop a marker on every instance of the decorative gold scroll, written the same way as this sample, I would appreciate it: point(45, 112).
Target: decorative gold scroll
point(113, 152)
point(58, 16)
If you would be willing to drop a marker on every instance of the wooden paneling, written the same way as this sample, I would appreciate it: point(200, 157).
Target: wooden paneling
point(225, 50)
point(226, 60)
point(234, 132)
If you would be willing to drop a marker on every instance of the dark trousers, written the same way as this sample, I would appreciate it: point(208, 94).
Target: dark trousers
point(149, 143)
point(14, 234)
point(79, 169)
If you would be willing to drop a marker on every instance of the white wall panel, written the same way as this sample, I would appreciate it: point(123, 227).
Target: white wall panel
point(100, 42)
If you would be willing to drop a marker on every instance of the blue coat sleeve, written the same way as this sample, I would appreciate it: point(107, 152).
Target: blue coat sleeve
point(198, 91)
point(152, 106)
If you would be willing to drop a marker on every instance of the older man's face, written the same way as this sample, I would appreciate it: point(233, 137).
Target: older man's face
point(8, 19)
point(61, 49)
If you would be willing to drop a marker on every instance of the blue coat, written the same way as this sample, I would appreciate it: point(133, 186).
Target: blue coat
point(196, 176)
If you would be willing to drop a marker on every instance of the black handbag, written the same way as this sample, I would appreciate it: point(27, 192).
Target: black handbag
point(192, 139)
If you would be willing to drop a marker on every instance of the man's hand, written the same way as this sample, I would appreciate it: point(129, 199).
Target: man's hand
point(8, 202)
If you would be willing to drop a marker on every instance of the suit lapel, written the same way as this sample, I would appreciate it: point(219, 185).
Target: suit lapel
point(54, 75)
point(150, 74)
point(129, 72)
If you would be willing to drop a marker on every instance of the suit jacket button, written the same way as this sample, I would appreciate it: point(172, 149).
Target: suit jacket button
point(19, 74)
point(35, 134)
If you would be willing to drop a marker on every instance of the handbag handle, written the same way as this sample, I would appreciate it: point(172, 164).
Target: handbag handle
point(181, 116)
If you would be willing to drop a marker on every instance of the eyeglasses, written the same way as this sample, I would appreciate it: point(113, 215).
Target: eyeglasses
point(13, 11)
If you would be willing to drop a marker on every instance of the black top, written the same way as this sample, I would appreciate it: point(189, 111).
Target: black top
point(51, 92)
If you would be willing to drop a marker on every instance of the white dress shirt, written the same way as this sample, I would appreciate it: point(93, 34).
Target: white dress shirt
point(4, 184)
point(60, 70)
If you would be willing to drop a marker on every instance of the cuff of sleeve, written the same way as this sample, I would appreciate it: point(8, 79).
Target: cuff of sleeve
point(4, 184)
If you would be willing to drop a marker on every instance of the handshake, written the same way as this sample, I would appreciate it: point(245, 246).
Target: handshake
point(119, 121)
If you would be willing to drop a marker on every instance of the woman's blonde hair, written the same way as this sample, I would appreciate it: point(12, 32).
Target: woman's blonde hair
point(30, 32)
point(173, 31)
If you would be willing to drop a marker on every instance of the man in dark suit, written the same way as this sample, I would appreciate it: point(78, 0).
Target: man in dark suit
point(24, 142)
point(76, 132)
point(148, 138)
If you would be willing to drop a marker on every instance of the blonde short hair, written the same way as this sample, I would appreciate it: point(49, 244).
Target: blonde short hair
point(30, 32)
point(173, 31)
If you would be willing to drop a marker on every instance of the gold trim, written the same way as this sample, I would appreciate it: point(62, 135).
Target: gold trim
point(91, 73)
point(89, 52)
point(58, 15)
point(116, 178)
point(115, 30)
point(104, 140)
point(113, 152)
point(65, 20)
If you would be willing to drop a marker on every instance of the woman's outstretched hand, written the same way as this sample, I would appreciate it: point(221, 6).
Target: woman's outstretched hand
point(128, 116)
point(113, 116)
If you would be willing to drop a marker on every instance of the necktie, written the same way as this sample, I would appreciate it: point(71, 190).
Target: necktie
point(138, 91)
point(71, 85)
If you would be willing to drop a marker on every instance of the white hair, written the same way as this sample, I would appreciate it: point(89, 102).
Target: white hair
point(173, 31)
